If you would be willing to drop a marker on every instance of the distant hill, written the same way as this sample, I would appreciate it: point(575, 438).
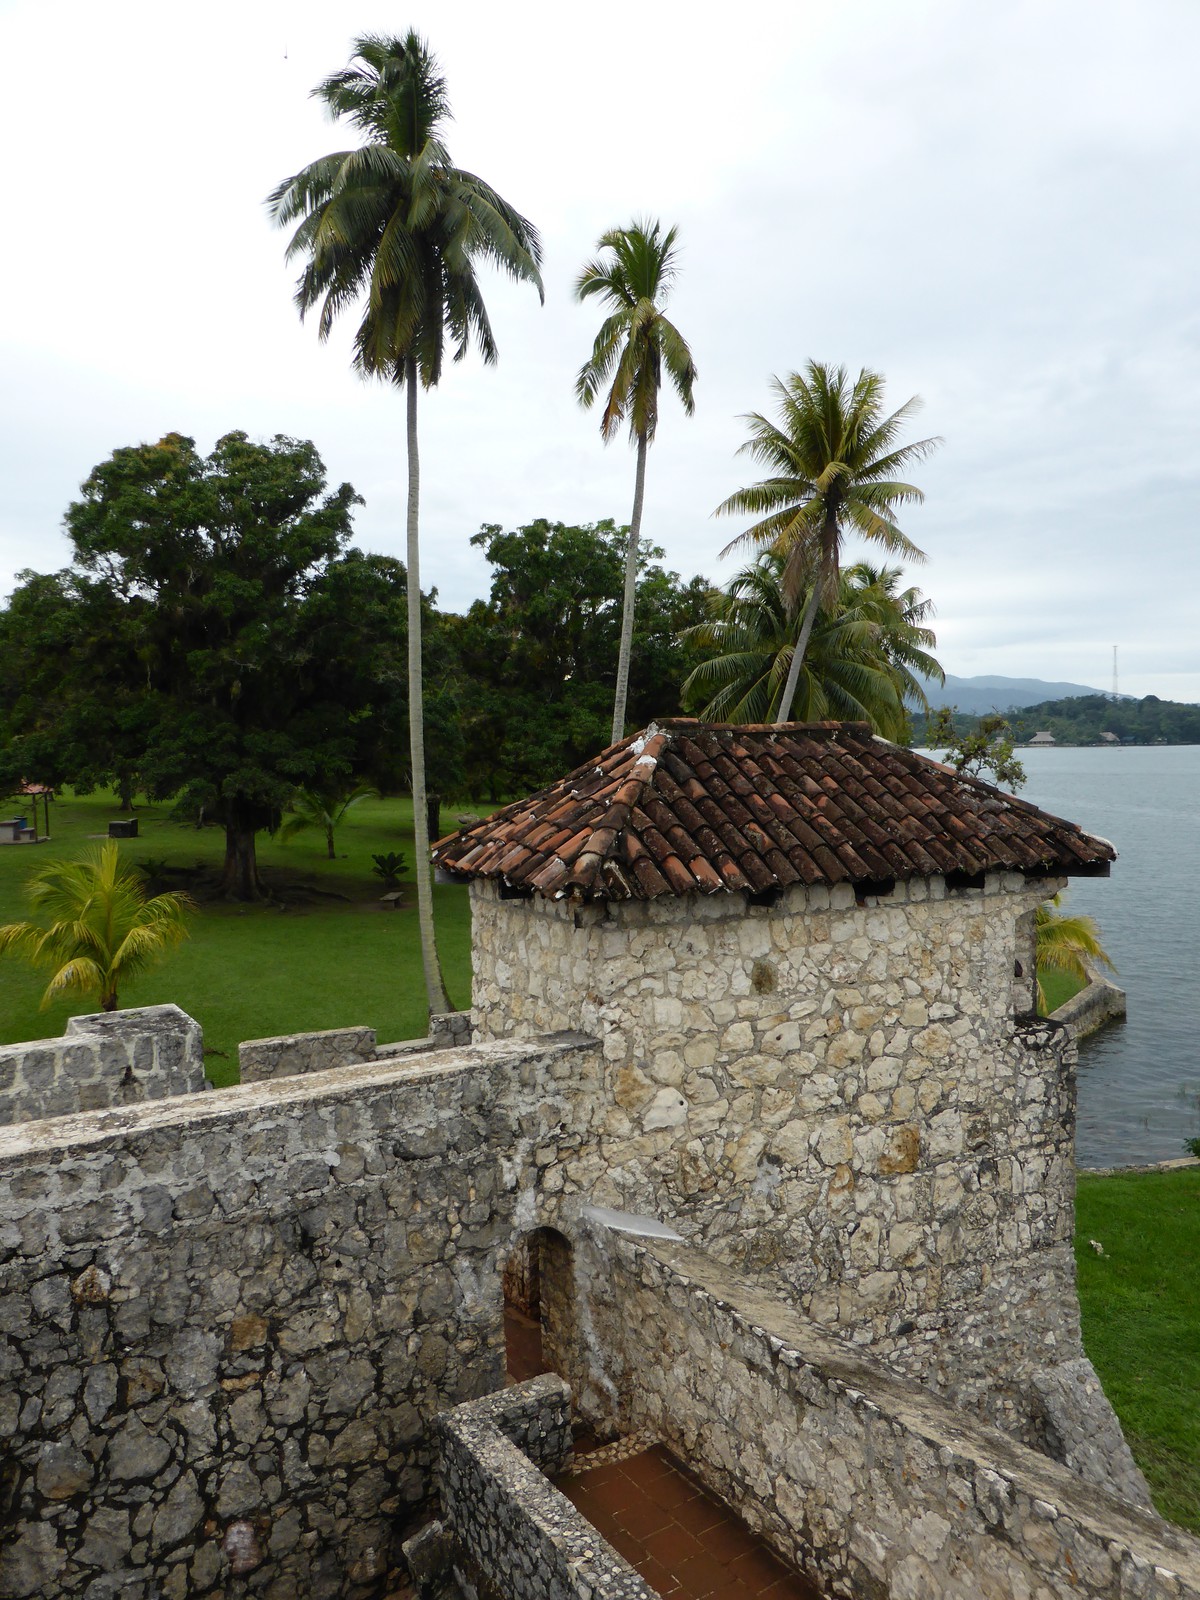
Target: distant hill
point(978, 696)
point(1085, 719)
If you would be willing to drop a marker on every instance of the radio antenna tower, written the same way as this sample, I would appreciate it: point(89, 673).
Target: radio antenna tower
point(1116, 690)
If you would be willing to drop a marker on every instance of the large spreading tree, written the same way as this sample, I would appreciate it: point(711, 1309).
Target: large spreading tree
point(536, 658)
point(396, 230)
point(217, 638)
point(632, 277)
point(832, 460)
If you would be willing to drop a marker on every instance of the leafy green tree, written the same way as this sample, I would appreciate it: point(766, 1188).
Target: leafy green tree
point(1065, 944)
point(986, 748)
point(323, 806)
point(72, 708)
point(211, 602)
point(396, 229)
point(861, 661)
point(832, 460)
point(102, 929)
point(636, 341)
point(537, 657)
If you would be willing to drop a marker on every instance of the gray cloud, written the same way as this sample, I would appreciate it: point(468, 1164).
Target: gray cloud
point(993, 206)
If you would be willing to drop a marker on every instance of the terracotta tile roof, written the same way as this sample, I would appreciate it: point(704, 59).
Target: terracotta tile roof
point(689, 807)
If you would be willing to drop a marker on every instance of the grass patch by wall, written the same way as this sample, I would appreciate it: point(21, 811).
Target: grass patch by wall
point(1059, 987)
point(1141, 1321)
point(333, 957)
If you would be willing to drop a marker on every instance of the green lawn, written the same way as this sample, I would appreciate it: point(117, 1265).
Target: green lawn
point(1141, 1321)
point(1059, 988)
point(330, 959)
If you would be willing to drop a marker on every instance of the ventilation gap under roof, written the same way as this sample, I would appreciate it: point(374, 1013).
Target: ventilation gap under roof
point(965, 880)
point(873, 889)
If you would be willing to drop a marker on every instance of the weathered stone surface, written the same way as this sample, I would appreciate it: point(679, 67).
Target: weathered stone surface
point(884, 1065)
point(63, 1471)
point(30, 1562)
point(247, 1332)
point(178, 1515)
point(104, 1060)
point(294, 1053)
point(135, 1455)
point(501, 1512)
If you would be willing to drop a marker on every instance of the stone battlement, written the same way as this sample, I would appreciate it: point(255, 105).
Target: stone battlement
point(230, 1320)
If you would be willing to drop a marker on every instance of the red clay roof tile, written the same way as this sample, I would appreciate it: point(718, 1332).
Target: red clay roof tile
point(688, 807)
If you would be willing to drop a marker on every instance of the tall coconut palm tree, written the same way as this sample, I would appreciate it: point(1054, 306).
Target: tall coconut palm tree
point(103, 929)
point(832, 459)
point(396, 230)
point(861, 663)
point(632, 276)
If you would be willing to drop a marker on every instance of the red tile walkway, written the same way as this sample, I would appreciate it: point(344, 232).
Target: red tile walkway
point(685, 1544)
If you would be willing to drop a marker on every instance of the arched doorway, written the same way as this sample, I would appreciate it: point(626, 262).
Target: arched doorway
point(539, 1305)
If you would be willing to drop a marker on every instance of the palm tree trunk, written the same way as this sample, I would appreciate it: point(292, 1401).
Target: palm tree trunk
point(793, 677)
point(434, 987)
point(631, 557)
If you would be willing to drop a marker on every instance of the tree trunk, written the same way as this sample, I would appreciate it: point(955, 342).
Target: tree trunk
point(125, 790)
point(433, 808)
point(329, 844)
point(435, 989)
point(239, 876)
point(793, 677)
point(631, 559)
point(108, 1002)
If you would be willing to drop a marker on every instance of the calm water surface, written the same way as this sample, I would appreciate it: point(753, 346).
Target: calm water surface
point(1139, 1081)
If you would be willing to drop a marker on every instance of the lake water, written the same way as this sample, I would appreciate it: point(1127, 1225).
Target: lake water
point(1139, 1081)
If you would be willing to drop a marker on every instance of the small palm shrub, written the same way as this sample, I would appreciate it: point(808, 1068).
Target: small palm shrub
point(390, 867)
point(103, 928)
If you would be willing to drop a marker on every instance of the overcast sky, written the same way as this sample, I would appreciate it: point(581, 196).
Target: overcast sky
point(994, 206)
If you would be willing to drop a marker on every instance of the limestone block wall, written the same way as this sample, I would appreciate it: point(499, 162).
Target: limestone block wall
point(872, 1484)
point(228, 1321)
point(110, 1059)
point(448, 1028)
point(495, 1457)
point(290, 1054)
point(833, 1092)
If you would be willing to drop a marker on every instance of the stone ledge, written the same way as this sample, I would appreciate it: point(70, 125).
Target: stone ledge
point(105, 1060)
point(1091, 1008)
point(289, 1054)
point(55, 1137)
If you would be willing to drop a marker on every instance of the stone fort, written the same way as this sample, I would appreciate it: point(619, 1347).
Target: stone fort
point(751, 1108)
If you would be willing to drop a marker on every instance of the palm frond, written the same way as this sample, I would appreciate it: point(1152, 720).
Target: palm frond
point(633, 272)
point(393, 226)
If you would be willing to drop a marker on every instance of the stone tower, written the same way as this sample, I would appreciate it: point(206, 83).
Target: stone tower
point(808, 955)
